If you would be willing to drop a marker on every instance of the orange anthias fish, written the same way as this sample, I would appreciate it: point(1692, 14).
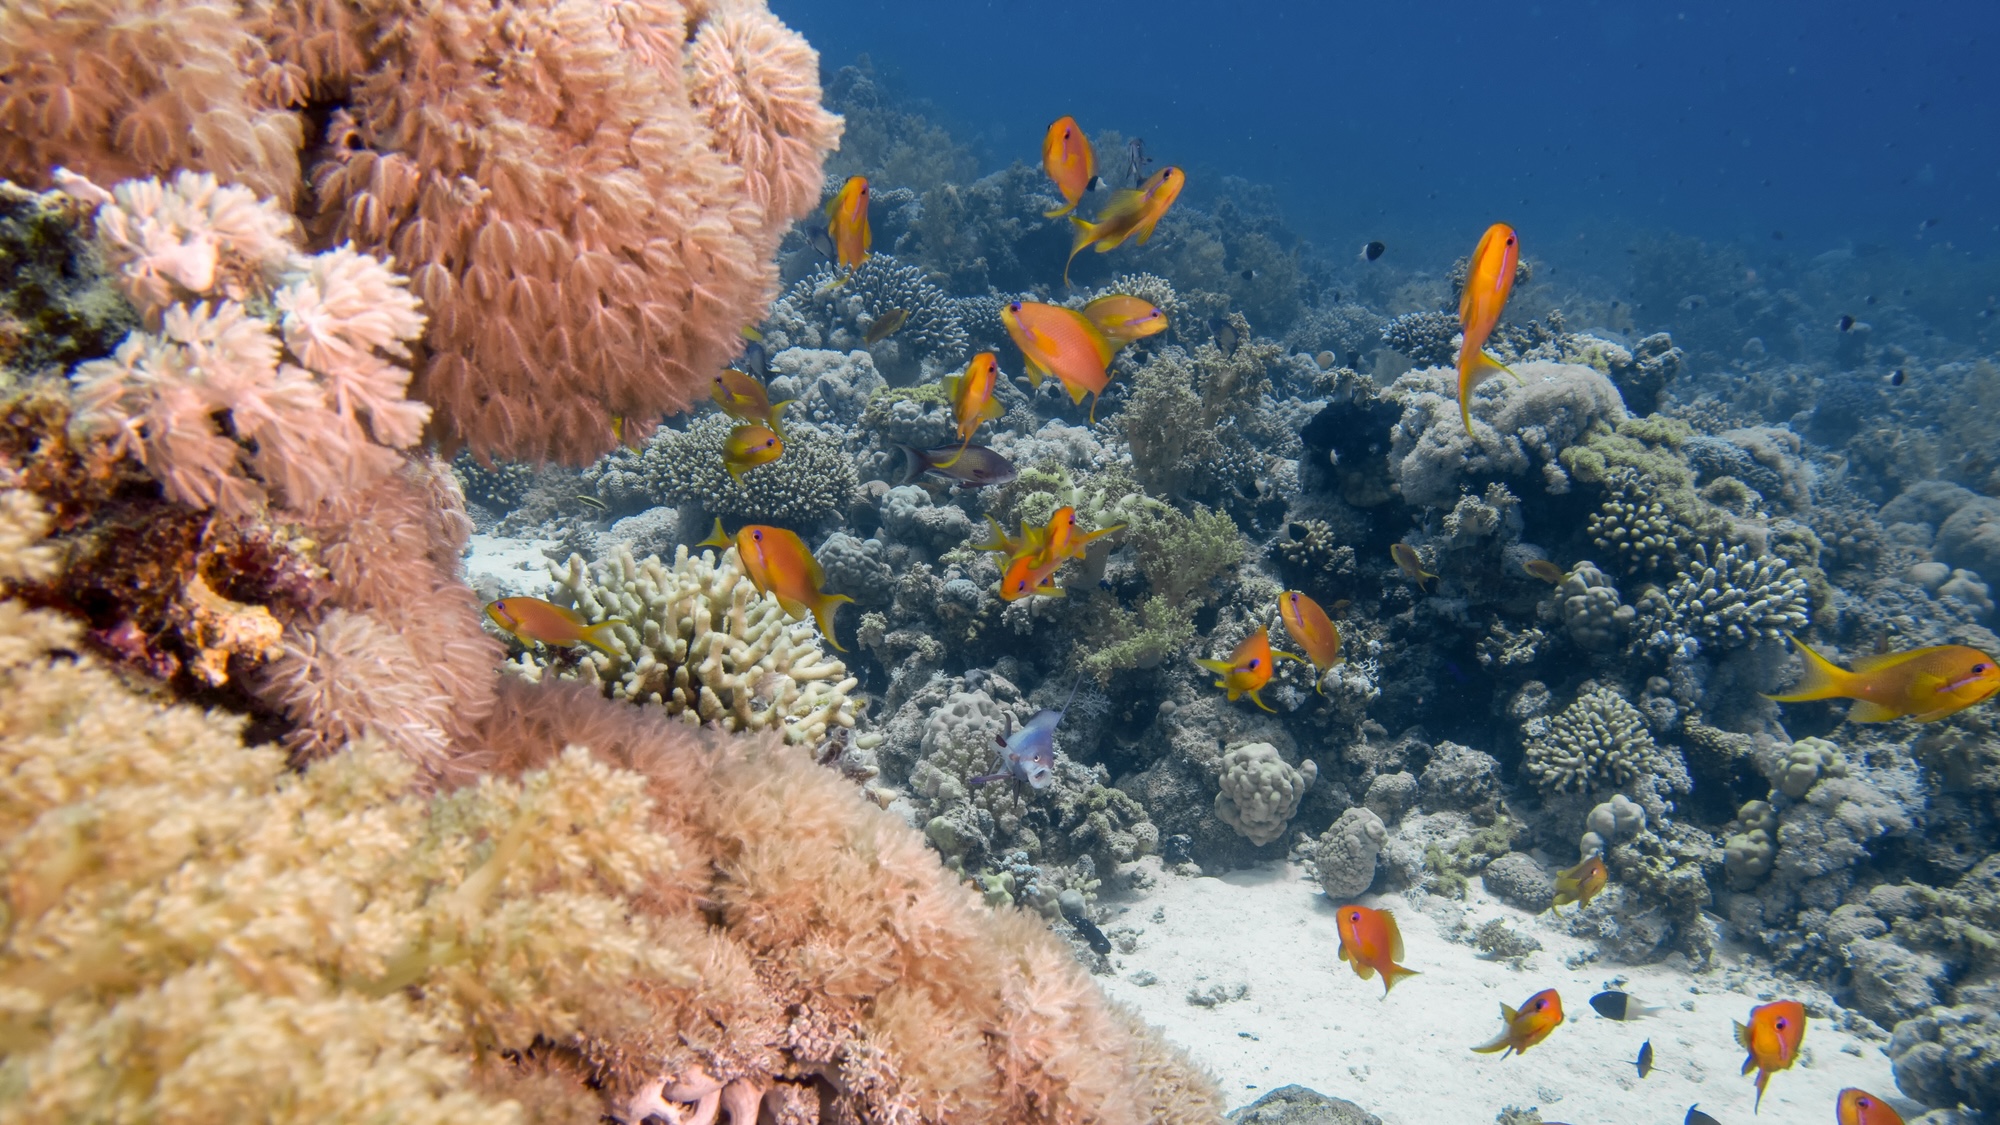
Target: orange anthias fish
point(1062, 540)
point(972, 400)
point(1124, 318)
point(1772, 1037)
point(1031, 573)
point(1060, 342)
point(1129, 213)
point(531, 620)
point(1370, 941)
point(1581, 883)
point(1859, 1107)
point(778, 563)
point(749, 446)
point(1487, 286)
point(847, 223)
point(744, 398)
point(1410, 563)
point(1312, 630)
point(1527, 1025)
point(1249, 668)
point(1030, 540)
point(1068, 159)
point(1925, 684)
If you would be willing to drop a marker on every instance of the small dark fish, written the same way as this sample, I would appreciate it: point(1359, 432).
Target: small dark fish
point(1896, 378)
point(821, 242)
point(755, 361)
point(1697, 1117)
point(592, 501)
point(1846, 322)
point(1098, 942)
point(1928, 224)
point(1619, 1006)
point(978, 467)
point(1372, 251)
point(1248, 275)
point(1645, 1063)
point(885, 326)
point(1868, 300)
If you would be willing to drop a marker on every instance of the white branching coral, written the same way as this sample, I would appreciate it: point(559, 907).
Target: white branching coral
point(704, 644)
point(1599, 741)
point(262, 369)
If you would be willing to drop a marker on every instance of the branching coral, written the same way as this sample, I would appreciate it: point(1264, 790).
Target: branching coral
point(1198, 423)
point(831, 308)
point(1726, 596)
point(1633, 524)
point(586, 197)
point(1599, 741)
point(702, 643)
point(814, 479)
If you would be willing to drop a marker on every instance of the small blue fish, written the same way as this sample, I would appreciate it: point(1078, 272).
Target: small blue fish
point(1029, 754)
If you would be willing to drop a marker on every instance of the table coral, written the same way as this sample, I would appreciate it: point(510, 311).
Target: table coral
point(702, 643)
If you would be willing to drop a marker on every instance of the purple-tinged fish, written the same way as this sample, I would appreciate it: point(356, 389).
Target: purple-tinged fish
point(977, 467)
point(1029, 754)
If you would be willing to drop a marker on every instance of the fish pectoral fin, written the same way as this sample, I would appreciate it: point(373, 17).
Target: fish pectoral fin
point(1743, 1039)
point(1869, 711)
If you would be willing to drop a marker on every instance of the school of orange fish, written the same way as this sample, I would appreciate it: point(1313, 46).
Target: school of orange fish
point(1077, 346)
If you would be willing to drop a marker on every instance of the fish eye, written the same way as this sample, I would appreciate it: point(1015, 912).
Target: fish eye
point(1254, 662)
point(1978, 668)
point(1783, 1023)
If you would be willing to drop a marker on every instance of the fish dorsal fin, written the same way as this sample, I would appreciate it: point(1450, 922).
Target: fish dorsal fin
point(1395, 936)
point(1875, 662)
point(814, 572)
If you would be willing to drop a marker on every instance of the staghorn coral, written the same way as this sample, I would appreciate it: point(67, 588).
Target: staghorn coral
point(1726, 596)
point(587, 199)
point(813, 480)
point(1261, 791)
point(1599, 741)
point(701, 643)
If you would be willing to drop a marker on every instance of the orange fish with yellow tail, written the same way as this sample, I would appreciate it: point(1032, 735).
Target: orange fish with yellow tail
point(1859, 1107)
point(1132, 213)
point(1488, 283)
point(972, 400)
point(1370, 941)
point(847, 223)
point(1772, 1037)
point(1410, 563)
point(1060, 342)
point(1581, 883)
point(1031, 573)
point(1312, 630)
point(1925, 684)
point(745, 399)
point(532, 620)
point(1249, 668)
point(1527, 1025)
point(1070, 162)
point(778, 563)
point(1124, 318)
point(1062, 540)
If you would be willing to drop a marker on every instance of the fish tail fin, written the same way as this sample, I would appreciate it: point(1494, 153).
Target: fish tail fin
point(1502, 1044)
point(1820, 678)
point(1391, 973)
point(916, 468)
point(719, 539)
point(601, 637)
point(823, 611)
point(1290, 655)
point(1474, 368)
point(1084, 234)
point(1064, 209)
point(1503, 367)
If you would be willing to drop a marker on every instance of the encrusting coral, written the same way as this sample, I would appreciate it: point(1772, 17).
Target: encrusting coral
point(702, 643)
point(587, 199)
point(195, 933)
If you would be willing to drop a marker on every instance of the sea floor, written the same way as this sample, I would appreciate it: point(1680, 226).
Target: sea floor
point(1305, 1018)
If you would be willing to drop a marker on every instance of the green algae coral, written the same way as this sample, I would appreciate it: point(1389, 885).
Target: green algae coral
point(1180, 553)
point(58, 306)
point(1133, 638)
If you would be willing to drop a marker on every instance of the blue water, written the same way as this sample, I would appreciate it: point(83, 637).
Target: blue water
point(1842, 125)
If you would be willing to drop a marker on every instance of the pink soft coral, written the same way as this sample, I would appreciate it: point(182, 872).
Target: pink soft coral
point(586, 194)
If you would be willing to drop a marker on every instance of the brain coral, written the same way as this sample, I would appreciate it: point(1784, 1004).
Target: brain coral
point(704, 644)
point(586, 196)
point(1598, 741)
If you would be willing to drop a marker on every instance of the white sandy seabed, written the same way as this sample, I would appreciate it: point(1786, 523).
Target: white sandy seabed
point(1305, 1018)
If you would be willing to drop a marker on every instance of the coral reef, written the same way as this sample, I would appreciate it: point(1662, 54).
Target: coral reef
point(1343, 858)
point(812, 481)
point(1599, 741)
point(1261, 791)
